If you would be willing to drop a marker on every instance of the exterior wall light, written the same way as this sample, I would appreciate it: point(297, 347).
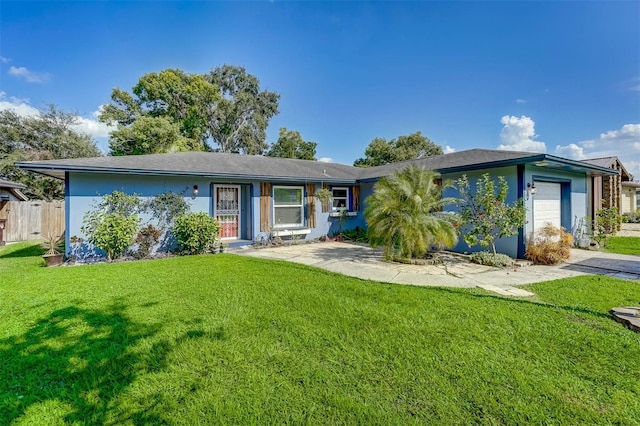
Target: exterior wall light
point(531, 189)
point(195, 191)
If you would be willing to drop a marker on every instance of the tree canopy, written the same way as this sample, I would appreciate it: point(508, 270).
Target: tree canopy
point(46, 136)
point(176, 111)
point(238, 122)
point(291, 145)
point(380, 151)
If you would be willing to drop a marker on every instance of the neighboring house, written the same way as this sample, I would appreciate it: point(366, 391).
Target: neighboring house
point(11, 191)
point(254, 197)
point(617, 190)
point(629, 197)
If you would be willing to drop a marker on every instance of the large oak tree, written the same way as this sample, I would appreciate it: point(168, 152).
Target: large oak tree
point(168, 111)
point(380, 151)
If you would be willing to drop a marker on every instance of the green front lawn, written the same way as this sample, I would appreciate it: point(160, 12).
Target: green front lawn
point(231, 340)
point(623, 245)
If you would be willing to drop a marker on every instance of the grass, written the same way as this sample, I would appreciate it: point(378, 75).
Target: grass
point(231, 340)
point(623, 245)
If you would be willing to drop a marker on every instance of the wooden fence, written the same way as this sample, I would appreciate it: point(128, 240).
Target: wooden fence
point(32, 220)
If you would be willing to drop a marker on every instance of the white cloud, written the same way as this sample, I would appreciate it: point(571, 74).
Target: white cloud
point(521, 101)
point(623, 143)
point(90, 126)
point(4, 60)
point(20, 106)
point(518, 134)
point(572, 151)
point(325, 160)
point(29, 76)
point(448, 149)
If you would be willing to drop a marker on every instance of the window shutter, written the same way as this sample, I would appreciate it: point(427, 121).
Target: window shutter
point(311, 205)
point(326, 206)
point(355, 194)
point(265, 207)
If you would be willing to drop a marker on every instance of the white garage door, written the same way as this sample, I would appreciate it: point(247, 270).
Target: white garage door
point(546, 205)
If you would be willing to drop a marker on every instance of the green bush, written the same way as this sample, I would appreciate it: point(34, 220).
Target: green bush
point(357, 234)
point(489, 259)
point(631, 217)
point(110, 232)
point(196, 233)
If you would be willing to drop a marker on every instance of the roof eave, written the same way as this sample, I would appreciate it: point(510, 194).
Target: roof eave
point(54, 171)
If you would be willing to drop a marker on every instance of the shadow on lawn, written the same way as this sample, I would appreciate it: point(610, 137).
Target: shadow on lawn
point(81, 358)
point(30, 251)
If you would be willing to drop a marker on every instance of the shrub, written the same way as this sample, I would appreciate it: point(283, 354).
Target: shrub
point(633, 217)
point(607, 221)
point(401, 214)
point(112, 225)
point(148, 237)
point(490, 259)
point(110, 232)
point(196, 233)
point(549, 246)
point(357, 234)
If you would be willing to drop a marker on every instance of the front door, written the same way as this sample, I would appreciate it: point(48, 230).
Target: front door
point(227, 210)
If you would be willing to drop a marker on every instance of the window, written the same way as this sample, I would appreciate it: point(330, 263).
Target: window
point(288, 209)
point(340, 198)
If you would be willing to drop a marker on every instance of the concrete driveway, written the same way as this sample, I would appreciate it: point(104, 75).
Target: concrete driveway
point(362, 261)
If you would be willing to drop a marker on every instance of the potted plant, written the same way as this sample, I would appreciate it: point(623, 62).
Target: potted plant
point(52, 244)
point(324, 195)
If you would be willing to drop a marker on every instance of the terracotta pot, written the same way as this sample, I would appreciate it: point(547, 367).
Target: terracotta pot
point(53, 259)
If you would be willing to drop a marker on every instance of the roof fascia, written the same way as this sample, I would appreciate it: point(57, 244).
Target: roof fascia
point(109, 170)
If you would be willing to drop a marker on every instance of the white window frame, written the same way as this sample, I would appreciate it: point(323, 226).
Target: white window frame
point(300, 206)
point(346, 199)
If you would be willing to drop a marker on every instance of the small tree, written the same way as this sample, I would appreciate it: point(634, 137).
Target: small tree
point(606, 223)
point(404, 216)
point(196, 233)
point(485, 212)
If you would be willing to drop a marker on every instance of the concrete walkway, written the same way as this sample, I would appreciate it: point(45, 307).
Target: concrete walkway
point(362, 261)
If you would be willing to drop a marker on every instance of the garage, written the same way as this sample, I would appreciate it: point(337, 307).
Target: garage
point(547, 205)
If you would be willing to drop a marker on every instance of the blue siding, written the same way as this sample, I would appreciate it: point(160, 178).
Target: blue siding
point(84, 190)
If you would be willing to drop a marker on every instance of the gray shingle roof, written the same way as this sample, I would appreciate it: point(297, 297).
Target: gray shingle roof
point(468, 158)
point(213, 164)
point(206, 164)
point(602, 162)
point(9, 184)
point(609, 162)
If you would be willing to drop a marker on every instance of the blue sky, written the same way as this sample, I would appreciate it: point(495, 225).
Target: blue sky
point(557, 77)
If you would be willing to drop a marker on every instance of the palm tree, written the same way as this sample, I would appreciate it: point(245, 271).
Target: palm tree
point(404, 214)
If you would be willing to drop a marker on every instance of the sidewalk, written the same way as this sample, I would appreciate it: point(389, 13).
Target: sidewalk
point(362, 261)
